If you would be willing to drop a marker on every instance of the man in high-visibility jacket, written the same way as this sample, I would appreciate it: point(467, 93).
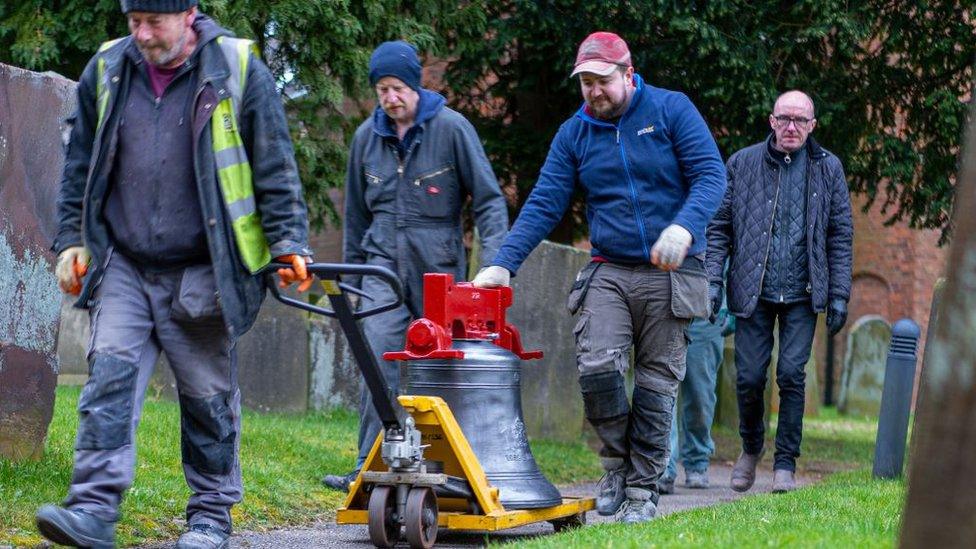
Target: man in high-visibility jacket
point(179, 186)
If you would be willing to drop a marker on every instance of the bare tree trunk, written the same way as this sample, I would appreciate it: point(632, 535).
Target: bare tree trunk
point(940, 510)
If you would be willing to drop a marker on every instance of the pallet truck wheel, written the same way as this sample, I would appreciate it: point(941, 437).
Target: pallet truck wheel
point(384, 529)
point(568, 523)
point(420, 523)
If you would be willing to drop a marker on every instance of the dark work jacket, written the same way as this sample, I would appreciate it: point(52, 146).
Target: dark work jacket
point(89, 158)
point(741, 227)
point(787, 277)
point(407, 210)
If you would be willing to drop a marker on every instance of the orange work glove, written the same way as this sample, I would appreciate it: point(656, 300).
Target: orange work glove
point(296, 273)
point(72, 266)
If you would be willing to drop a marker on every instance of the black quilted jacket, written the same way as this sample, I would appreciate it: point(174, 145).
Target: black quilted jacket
point(741, 227)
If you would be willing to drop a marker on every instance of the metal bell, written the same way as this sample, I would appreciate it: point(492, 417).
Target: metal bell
point(483, 391)
point(464, 352)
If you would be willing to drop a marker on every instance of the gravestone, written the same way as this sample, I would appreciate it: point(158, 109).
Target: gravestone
point(32, 109)
point(72, 344)
point(862, 381)
point(551, 400)
point(726, 403)
point(335, 378)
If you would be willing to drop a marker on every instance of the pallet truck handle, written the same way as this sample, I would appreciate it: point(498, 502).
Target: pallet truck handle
point(330, 274)
point(391, 414)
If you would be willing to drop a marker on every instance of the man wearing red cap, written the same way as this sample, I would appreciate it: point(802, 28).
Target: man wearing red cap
point(652, 178)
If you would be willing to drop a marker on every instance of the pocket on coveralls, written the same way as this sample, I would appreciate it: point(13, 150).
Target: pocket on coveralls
point(437, 192)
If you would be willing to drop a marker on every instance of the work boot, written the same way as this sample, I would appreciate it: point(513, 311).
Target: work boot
point(203, 536)
point(783, 481)
point(665, 486)
point(340, 482)
point(697, 480)
point(744, 471)
point(610, 491)
point(641, 506)
point(75, 527)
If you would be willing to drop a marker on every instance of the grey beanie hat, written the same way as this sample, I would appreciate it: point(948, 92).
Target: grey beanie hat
point(157, 6)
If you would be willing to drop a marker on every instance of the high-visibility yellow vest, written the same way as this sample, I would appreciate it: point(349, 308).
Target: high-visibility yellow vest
point(233, 168)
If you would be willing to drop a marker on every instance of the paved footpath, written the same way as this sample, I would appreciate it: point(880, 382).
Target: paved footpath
point(331, 535)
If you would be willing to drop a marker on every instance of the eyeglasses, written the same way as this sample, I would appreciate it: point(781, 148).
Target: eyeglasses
point(783, 121)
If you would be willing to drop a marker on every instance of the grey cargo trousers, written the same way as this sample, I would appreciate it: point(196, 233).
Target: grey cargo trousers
point(643, 307)
point(136, 315)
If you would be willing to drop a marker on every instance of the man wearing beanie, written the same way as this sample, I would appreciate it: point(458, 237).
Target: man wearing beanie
point(652, 177)
point(179, 187)
point(412, 167)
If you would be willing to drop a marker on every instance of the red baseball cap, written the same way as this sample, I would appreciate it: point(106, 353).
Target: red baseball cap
point(601, 54)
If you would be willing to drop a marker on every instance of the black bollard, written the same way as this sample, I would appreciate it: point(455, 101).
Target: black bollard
point(896, 400)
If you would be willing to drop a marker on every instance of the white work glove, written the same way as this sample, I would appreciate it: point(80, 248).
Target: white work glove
point(671, 247)
point(72, 265)
point(491, 277)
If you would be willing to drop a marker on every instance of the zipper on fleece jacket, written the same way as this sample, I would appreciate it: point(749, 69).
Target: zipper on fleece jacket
point(633, 197)
point(638, 214)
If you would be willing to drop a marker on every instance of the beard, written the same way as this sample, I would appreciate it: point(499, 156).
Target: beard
point(161, 58)
point(605, 108)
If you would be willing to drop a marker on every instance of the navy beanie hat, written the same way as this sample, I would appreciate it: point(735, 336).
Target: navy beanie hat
point(397, 59)
point(157, 6)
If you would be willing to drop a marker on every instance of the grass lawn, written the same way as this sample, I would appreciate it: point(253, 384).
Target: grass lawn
point(847, 509)
point(283, 457)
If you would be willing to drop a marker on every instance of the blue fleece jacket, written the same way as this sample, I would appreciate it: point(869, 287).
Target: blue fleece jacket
point(656, 166)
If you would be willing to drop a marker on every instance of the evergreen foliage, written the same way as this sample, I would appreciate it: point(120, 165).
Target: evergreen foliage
point(891, 80)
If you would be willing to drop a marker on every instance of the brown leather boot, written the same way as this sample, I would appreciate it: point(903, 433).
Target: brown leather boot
point(744, 471)
point(783, 481)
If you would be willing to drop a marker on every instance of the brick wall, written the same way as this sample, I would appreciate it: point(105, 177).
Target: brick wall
point(895, 270)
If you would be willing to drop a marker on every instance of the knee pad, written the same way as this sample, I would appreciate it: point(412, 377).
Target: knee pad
point(208, 433)
point(646, 400)
point(650, 422)
point(604, 396)
point(106, 404)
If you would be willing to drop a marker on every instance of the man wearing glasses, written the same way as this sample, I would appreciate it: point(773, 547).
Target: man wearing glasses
point(786, 222)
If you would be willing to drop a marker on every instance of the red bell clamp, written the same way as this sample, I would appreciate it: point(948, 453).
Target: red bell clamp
point(460, 311)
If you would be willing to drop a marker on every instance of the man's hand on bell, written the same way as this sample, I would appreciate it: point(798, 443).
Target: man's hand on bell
point(492, 277)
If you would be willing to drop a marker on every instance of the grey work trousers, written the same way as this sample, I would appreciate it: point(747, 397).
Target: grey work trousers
point(635, 305)
point(136, 315)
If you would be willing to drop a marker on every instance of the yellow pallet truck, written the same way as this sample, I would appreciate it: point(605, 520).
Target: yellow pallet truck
point(398, 485)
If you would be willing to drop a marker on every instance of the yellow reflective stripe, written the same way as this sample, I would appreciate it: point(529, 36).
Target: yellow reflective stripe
point(251, 242)
point(224, 124)
point(236, 182)
point(107, 45)
point(101, 85)
point(243, 53)
point(230, 158)
point(101, 93)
